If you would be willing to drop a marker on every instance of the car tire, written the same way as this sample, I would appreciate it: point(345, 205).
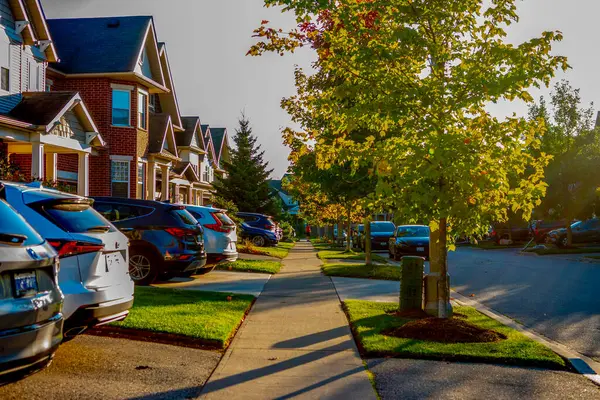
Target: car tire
point(259, 241)
point(143, 267)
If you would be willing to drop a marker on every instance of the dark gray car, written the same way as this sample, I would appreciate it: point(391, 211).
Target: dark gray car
point(31, 321)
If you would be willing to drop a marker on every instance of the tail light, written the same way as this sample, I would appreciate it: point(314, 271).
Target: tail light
point(270, 227)
point(218, 226)
point(181, 232)
point(68, 248)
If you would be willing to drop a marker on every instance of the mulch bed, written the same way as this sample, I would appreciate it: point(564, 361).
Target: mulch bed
point(451, 330)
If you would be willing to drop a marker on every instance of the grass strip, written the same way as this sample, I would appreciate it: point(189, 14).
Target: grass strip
point(260, 266)
point(335, 254)
point(368, 319)
point(206, 316)
point(280, 251)
point(383, 272)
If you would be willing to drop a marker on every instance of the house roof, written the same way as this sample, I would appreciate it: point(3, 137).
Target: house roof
point(41, 108)
point(218, 136)
point(98, 45)
point(186, 168)
point(190, 124)
point(160, 128)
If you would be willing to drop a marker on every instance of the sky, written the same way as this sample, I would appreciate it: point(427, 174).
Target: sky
point(207, 41)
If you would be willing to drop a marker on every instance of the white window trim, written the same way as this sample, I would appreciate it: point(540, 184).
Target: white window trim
point(121, 158)
point(118, 86)
point(112, 108)
point(128, 175)
point(143, 92)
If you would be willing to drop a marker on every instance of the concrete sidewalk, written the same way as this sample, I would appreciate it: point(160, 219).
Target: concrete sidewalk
point(295, 343)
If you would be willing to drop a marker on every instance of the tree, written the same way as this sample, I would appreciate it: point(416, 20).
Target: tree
point(573, 141)
point(246, 182)
point(420, 74)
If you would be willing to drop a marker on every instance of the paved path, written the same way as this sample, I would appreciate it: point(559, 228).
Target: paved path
point(221, 281)
point(555, 296)
point(295, 343)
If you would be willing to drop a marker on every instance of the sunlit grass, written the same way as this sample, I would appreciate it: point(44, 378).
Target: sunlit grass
point(261, 266)
point(349, 270)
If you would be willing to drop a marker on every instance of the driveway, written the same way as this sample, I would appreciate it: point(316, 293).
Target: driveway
point(91, 367)
point(221, 281)
point(556, 296)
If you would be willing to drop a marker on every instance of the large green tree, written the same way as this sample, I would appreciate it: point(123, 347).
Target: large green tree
point(573, 141)
point(419, 75)
point(246, 181)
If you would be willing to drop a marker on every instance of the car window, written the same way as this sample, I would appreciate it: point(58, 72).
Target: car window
point(77, 217)
point(184, 216)
point(412, 231)
point(14, 229)
point(196, 214)
point(225, 220)
point(119, 212)
point(382, 227)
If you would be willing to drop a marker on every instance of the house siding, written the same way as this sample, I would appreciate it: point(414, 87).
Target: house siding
point(7, 18)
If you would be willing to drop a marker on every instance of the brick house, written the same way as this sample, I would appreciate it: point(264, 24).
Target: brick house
point(122, 73)
point(37, 128)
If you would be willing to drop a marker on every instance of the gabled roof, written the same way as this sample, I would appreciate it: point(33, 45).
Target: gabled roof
point(191, 126)
point(105, 45)
point(37, 30)
point(44, 109)
point(186, 169)
point(208, 143)
point(161, 131)
point(219, 136)
point(169, 100)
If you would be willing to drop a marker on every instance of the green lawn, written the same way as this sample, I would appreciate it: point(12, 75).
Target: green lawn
point(207, 316)
point(267, 267)
point(333, 254)
point(369, 319)
point(384, 272)
point(557, 250)
point(280, 251)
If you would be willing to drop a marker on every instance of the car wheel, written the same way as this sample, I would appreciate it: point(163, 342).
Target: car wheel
point(258, 241)
point(143, 268)
point(563, 242)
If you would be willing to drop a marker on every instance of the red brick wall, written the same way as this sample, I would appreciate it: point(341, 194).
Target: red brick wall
point(24, 163)
point(68, 162)
point(97, 97)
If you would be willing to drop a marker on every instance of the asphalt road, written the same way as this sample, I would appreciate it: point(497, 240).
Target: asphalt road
point(91, 367)
point(556, 296)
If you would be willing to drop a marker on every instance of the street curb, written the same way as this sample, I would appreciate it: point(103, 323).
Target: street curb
point(582, 364)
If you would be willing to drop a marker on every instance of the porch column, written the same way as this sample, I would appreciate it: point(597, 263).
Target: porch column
point(165, 183)
point(190, 199)
point(177, 195)
point(151, 180)
point(51, 167)
point(37, 160)
point(201, 197)
point(83, 174)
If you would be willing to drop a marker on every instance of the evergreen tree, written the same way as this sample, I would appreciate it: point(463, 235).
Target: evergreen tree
point(246, 182)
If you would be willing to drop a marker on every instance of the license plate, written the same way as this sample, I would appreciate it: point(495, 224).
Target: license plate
point(420, 248)
point(25, 284)
point(383, 243)
point(113, 261)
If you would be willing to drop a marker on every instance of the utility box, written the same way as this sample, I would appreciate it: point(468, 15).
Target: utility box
point(411, 283)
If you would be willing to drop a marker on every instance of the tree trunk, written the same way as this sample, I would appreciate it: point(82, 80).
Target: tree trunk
point(569, 233)
point(348, 248)
point(368, 257)
point(438, 295)
point(340, 232)
point(331, 233)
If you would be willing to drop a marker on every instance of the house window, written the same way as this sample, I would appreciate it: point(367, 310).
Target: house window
point(5, 79)
point(120, 178)
point(206, 174)
point(121, 107)
point(152, 103)
point(143, 111)
point(141, 179)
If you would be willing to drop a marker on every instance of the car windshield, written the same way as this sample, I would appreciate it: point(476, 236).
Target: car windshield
point(14, 230)
point(382, 227)
point(78, 218)
point(412, 231)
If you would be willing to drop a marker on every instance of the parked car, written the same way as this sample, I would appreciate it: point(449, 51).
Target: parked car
point(518, 231)
point(93, 254)
point(258, 237)
point(165, 240)
point(409, 240)
point(583, 232)
point(31, 321)
point(220, 235)
point(541, 228)
point(381, 232)
point(258, 221)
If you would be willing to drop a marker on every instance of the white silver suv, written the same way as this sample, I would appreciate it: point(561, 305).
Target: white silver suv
point(220, 235)
point(94, 274)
